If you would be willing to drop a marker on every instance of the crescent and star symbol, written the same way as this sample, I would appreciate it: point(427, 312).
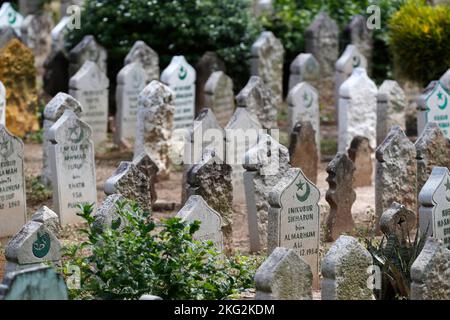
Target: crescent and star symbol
point(447, 187)
point(182, 74)
point(300, 185)
point(443, 105)
point(307, 98)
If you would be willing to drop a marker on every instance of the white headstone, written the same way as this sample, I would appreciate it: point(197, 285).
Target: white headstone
point(219, 96)
point(10, 17)
point(73, 166)
point(180, 77)
point(304, 68)
point(87, 50)
point(58, 34)
point(90, 87)
point(445, 79)
point(149, 59)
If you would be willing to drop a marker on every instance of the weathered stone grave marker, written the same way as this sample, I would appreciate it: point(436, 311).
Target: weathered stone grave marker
point(340, 196)
point(219, 96)
point(294, 218)
point(48, 218)
point(360, 153)
point(304, 68)
point(72, 165)
point(107, 215)
point(12, 183)
point(147, 57)
point(357, 33)
point(148, 167)
point(10, 17)
point(87, 50)
point(90, 87)
point(397, 220)
point(284, 276)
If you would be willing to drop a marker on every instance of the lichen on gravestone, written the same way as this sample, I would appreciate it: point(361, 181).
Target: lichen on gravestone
point(399, 221)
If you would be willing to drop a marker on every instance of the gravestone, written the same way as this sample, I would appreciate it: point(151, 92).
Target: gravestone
point(52, 112)
point(219, 96)
point(107, 215)
point(10, 17)
point(294, 218)
point(432, 149)
point(434, 210)
point(18, 75)
point(283, 276)
point(39, 283)
point(87, 50)
point(180, 77)
point(147, 57)
point(211, 179)
point(2, 104)
point(154, 125)
point(208, 64)
point(259, 101)
point(7, 33)
point(304, 68)
point(267, 63)
point(149, 168)
point(358, 34)
point(90, 87)
point(322, 40)
point(240, 134)
point(396, 172)
point(196, 209)
point(344, 271)
point(303, 105)
point(430, 273)
point(303, 149)
point(350, 59)
point(131, 80)
point(445, 79)
point(399, 221)
point(12, 184)
point(27, 7)
point(391, 105)
point(340, 196)
point(265, 163)
point(59, 33)
point(357, 109)
point(33, 245)
point(433, 106)
point(72, 165)
point(360, 153)
point(130, 182)
point(49, 219)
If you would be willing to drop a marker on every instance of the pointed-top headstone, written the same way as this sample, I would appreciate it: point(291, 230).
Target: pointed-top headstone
point(48, 218)
point(445, 79)
point(149, 168)
point(10, 17)
point(357, 33)
point(87, 50)
point(219, 96)
point(59, 33)
point(147, 57)
point(360, 153)
point(304, 68)
point(259, 101)
point(303, 149)
point(107, 215)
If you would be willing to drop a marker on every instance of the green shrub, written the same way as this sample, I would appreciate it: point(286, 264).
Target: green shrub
point(187, 27)
point(154, 258)
point(419, 38)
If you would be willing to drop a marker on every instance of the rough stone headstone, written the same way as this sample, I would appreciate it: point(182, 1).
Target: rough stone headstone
point(90, 87)
point(445, 79)
point(360, 153)
point(87, 50)
point(196, 209)
point(48, 218)
point(357, 109)
point(147, 57)
point(12, 184)
point(432, 149)
point(107, 215)
point(284, 276)
point(39, 283)
point(208, 64)
point(130, 182)
point(149, 168)
point(357, 33)
point(434, 210)
point(294, 216)
point(2, 104)
point(391, 104)
point(304, 68)
point(303, 149)
point(322, 40)
point(433, 106)
point(154, 125)
point(344, 271)
point(219, 96)
point(56, 75)
point(340, 196)
point(72, 165)
point(52, 112)
point(259, 101)
point(10, 17)
point(131, 80)
point(180, 76)
point(267, 63)
point(396, 172)
point(18, 75)
point(266, 163)
point(240, 134)
point(303, 105)
point(350, 59)
point(211, 179)
point(33, 245)
point(430, 273)
point(399, 221)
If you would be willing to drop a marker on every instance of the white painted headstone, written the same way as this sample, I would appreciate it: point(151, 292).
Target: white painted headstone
point(10, 17)
point(219, 96)
point(304, 68)
point(180, 76)
point(58, 33)
point(149, 59)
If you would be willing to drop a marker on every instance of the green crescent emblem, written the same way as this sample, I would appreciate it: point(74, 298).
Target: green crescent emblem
point(182, 73)
point(356, 61)
point(307, 98)
point(42, 245)
point(304, 197)
point(75, 134)
point(447, 187)
point(444, 105)
point(12, 17)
